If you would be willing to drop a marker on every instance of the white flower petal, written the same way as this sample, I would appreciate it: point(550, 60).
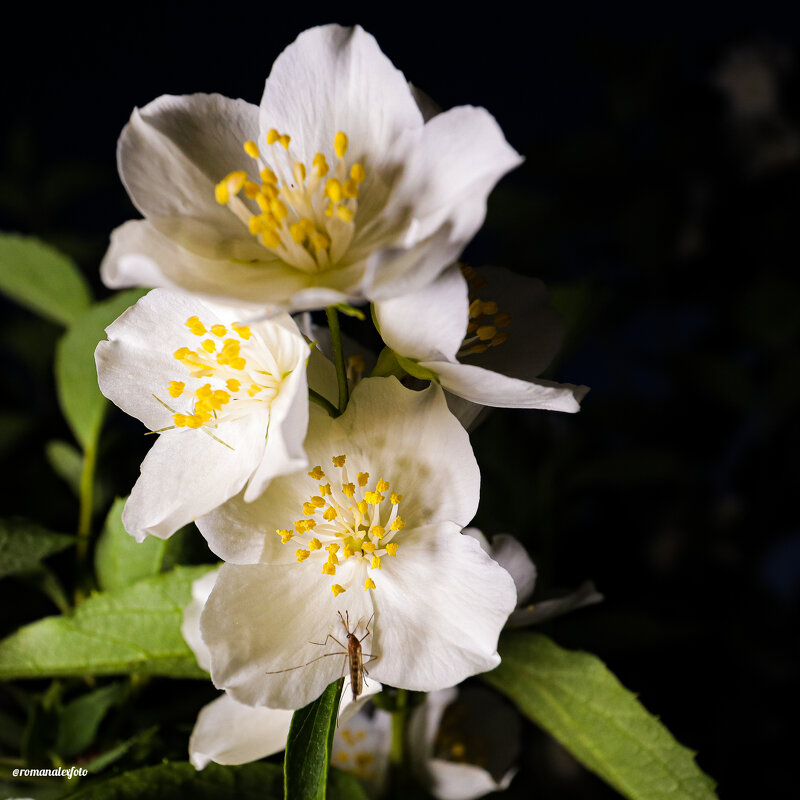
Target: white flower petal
point(452, 781)
point(229, 732)
point(187, 473)
point(335, 79)
point(509, 553)
point(449, 630)
point(584, 595)
point(190, 627)
point(427, 325)
point(488, 388)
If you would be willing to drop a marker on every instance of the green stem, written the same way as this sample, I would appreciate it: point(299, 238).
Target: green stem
point(86, 500)
point(338, 356)
point(397, 752)
point(317, 398)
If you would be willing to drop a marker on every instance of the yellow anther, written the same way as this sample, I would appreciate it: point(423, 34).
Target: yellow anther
point(255, 225)
point(357, 173)
point(317, 474)
point(373, 498)
point(362, 507)
point(299, 171)
point(284, 139)
point(176, 388)
point(377, 531)
point(357, 363)
point(182, 352)
point(271, 239)
point(196, 420)
point(304, 526)
point(347, 551)
point(375, 563)
point(221, 194)
point(284, 532)
point(278, 209)
point(499, 339)
point(479, 348)
point(332, 548)
point(382, 485)
point(336, 589)
point(391, 548)
point(349, 489)
point(362, 478)
point(309, 509)
point(319, 241)
point(251, 190)
point(272, 136)
point(270, 192)
point(345, 214)
point(397, 525)
point(268, 176)
point(475, 308)
point(340, 144)
point(180, 420)
point(490, 308)
point(195, 326)
point(369, 584)
point(329, 513)
point(486, 332)
point(502, 320)
point(368, 547)
point(251, 148)
point(329, 568)
point(350, 189)
point(209, 346)
point(233, 384)
point(395, 498)
point(338, 461)
point(242, 330)
point(472, 326)
point(333, 190)
point(314, 544)
point(297, 232)
point(254, 389)
point(317, 501)
point(324, 488)
point(320, 164)
point(302, 555)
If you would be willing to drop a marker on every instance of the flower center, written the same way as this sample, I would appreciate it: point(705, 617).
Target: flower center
point(242, 374)
point(305, 212)
point(485, 318)
point(347, 525)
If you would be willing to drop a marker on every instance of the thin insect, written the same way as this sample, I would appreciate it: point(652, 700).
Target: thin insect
point(353, 655)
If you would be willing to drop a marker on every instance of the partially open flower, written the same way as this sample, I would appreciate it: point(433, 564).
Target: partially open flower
point(371, 532)
point(335, 189)
point(228, 399)
point(484, 335)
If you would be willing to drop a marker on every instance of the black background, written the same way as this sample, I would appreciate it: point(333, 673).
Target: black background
point(663, 214)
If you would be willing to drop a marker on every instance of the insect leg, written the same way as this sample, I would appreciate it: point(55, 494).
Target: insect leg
point(300, 666)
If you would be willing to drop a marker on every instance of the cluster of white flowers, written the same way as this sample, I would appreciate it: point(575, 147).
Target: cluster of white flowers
point(342, 187)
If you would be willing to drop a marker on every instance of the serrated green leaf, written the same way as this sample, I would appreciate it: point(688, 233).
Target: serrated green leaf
point(80, 719)
point(67, 463)
point(308, 746)
point(180, 780)
point(76, 377)
point(43, 279)
point(23, 545)
point(575, 698)
point(134, 629)
point(119, 559)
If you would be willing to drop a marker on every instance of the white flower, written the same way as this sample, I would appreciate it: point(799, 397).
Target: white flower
point(228, 399)
point(372, 531)
point(484, 336)
point(334, 189)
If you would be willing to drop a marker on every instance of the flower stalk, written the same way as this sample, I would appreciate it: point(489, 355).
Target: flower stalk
point(338, 357)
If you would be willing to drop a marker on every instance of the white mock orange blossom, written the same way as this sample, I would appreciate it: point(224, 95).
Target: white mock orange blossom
point(229, 401)
point(334, 189)
point(372, 530)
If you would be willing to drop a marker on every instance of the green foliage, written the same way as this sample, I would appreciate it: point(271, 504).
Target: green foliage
point(67, 463)
point(23, 545)
point(133, 629)
point(308, 746)
point(119, 559)
point(43, 279)
point(179, 780)
point(76, 378)
point(80, 719)
point(344, 786)
point(574, 697)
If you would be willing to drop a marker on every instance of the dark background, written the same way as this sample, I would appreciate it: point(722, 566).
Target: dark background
point(659, 201)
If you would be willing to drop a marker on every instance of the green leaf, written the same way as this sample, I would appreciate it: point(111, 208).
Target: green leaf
point(66, 461)
point(119, 559)
point(80, 719)
point(415, 369)
point(350, 311)
point(23, 544)
point(43, 279)
point(134, 629)
point(180, 780)
point(574, 697)
point(76, 376)
point(344, 786)
point(308, 746)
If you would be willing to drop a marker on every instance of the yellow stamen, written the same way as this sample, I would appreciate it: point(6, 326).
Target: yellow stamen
point(251, 148)
point(357, 173)
point(368, 547)
point(391, 548)
point(176, 388)
point(329, 513)
point(268, 176)
point(369, 584)
point(324, 489)
point(375, 563)
point(377, 531)
point(195, 326)
point(314, 544)
point(362, 507)
point(209, 346)
point(284, 140)
point(486, 332)
point(397, 525)
point(272, 136)
point(382, 485)
point(317, 474)
point(362, 478)
point(338, 461)
point(333, 190)
point(328, 568)
point(373, 498)
point(395, 498)
point(233, 384)
point(336, 589)
point(340, 144)
point(345, 214)
point(302, 555)
point(349, 489)
point(320, 164)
